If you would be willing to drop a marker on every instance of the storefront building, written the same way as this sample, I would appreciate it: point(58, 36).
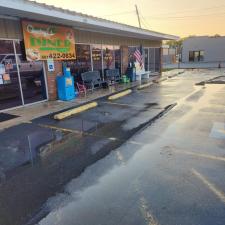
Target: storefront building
point(99, 44)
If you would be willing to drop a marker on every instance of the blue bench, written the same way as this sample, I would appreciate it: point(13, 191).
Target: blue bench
point(112, 75)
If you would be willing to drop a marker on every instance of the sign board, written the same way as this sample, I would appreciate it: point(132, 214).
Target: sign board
point(51, 65)
point(44, 41)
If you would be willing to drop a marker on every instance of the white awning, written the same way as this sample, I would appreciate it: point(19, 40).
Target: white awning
point(42, 12)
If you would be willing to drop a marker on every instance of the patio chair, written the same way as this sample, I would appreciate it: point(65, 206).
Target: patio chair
point(81, 89)
point(112, 76)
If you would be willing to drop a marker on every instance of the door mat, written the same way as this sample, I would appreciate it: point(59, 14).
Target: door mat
point(6, 116)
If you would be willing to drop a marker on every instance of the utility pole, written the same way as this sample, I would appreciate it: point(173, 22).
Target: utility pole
point(138, 16)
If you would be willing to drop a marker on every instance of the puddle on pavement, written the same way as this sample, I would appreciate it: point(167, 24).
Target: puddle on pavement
point(218, 131)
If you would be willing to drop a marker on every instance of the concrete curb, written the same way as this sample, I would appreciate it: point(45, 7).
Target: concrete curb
point(119, 95)
point(52, 114)
point(145, 85)
point(177, 74)
point(76, 110)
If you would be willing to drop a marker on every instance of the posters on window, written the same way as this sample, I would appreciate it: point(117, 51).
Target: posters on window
point(2, 68)
point(1, 80)
point(6, 78)
point(9, 64)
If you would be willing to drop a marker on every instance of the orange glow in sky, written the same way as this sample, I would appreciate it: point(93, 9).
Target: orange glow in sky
point(178, 17)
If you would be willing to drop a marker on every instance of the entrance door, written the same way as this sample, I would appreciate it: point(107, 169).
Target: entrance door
point(152, 59)
point(10, 94)
point(31, 76)
point(97, 58)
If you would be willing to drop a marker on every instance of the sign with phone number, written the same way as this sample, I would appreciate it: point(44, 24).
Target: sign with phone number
point(46, 41)
point(56, 56)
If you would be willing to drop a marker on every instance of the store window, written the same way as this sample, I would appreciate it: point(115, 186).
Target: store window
point(118, 57)
point(83, 61)
point(97, 58)
point(131, 57)
point(157, 59)
point(196, 56)
point(152, 66)
point(108, 57)
point(152, 58)
point(191, 56)
point(31, 76)
point(146, 57)
point(201, 56)
point(10, 95)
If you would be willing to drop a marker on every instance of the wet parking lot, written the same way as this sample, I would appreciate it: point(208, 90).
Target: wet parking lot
point(130, 161)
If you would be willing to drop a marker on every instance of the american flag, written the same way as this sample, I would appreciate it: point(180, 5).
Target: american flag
point(139, 58)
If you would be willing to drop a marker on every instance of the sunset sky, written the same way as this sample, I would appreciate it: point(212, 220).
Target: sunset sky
point(178, 17)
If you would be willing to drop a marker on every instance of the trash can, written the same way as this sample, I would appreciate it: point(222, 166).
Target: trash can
point(65, 86)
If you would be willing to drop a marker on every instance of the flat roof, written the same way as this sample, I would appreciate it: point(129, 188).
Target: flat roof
point(42, 12)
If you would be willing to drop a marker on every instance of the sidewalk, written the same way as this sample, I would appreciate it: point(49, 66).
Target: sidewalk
point(196, 65)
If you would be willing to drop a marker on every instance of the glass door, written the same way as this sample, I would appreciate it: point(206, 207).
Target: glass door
point(97, 58)
point(118, 57)
point(10, 92)
point(152, 60)
point(31, 76)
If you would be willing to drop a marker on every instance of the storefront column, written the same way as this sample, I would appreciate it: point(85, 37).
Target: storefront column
point(124, 58)
point(51, 79)
point(161, 61)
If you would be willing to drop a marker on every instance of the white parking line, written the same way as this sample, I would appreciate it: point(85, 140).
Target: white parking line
point(210, 186)
point(121, 104)
point(147, 214)
point(201, 155)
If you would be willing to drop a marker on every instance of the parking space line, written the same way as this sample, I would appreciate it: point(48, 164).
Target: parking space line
point(145, 211)
point(59, 128)
point(122, 104)
point(210, 186)
point(88, 134)
point(201, 155)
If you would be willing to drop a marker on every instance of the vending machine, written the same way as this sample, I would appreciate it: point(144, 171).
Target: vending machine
point(65, 85)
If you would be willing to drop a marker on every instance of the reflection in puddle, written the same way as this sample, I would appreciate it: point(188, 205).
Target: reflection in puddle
point(218, 131)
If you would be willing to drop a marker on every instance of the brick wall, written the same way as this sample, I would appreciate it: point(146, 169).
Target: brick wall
point(51, 79)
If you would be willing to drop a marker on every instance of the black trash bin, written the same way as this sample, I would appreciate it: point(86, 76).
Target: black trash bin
point(131, 73)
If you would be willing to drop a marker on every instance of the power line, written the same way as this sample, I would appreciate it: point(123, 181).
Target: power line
point(184, 17)
point(145, 22)
point(191, 10)
point(121, 13)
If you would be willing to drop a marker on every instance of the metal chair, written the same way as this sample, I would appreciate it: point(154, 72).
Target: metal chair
point(81, 89)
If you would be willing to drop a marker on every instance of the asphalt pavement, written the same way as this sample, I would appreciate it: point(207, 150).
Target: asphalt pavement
point(155, 156)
